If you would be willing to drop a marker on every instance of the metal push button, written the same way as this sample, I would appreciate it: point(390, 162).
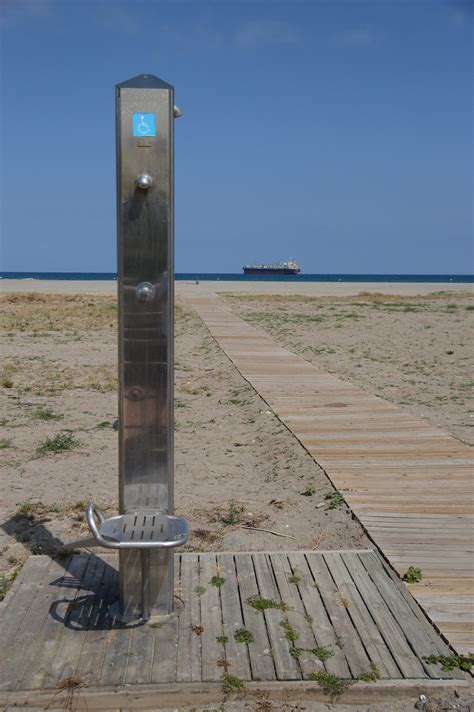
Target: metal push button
point(145, 292)
point(144, 182)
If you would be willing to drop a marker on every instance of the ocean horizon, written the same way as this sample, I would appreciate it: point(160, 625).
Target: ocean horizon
point(239, 277)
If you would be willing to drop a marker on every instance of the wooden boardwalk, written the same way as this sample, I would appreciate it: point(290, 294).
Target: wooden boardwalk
point(54, 624)
point(408, 482)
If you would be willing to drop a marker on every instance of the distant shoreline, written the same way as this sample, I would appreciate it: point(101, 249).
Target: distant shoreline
point(229, 277)
point(189, 287)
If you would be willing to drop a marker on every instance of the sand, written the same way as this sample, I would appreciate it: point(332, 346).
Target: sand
point(237, 466)
point(185, 287)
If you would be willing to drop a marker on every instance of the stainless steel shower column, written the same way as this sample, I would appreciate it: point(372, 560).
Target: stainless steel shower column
point(145, 116)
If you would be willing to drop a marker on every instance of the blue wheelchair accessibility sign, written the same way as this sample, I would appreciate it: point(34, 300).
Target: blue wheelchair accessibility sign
point(144, 124)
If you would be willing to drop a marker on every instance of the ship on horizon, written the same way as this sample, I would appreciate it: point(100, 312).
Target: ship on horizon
point(288, 267)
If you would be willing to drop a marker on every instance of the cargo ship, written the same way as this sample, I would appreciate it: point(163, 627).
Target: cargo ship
point(289, 267)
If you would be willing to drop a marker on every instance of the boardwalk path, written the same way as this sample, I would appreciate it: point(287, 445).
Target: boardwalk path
point(408, 482)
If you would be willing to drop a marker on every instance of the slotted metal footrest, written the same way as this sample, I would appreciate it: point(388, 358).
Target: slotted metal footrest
point(142, 529)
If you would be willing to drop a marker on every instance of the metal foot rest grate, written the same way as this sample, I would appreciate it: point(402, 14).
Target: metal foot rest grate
point(139, 529)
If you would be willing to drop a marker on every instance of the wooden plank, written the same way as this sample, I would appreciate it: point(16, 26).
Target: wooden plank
point(211, 619)
point(323, 630)
point(67, 585)
point(232, 618)
point(19, 599)
point(261, 660)
point(15, 663)
point(297, 616)
point(165, 650)
point(285, 664)
point(396, 466)
point(333, 599)
point(188, 667)
point(117, 641)
point(386, 623)
point(419, 639)
point(95, 635)
point(361, 618)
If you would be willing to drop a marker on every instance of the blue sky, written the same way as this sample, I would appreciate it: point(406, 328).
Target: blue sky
point(339, 133)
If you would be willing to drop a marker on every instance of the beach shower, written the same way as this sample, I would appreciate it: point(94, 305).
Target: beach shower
point(146, 531)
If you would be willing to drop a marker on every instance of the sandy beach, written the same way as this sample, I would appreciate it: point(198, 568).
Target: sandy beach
point(234, 459)
point(185, 287)
point(239, 471)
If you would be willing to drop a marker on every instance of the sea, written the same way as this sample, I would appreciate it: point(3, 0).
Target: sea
point(229, 277)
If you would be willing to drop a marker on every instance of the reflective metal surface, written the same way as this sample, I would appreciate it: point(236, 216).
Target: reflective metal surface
point(144, 182)
point(145, 291)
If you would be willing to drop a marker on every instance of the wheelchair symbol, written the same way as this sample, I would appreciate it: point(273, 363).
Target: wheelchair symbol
point(143, 127)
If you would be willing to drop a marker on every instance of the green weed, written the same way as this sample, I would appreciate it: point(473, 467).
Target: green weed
point(233, 514)
point(335, 500)
point(6, 581)
point(103, 424)
point(62, 442)
point(296, 652)
point(25, 508)
point(260, 604)
point(243, 636)
point(199, 590)
point(322, 652)
point(290, 633)
point(294, 579)
point(44, 413)
point(412, 575)
point(222, 639)
point(451, 662)
point(309, 491)
point(217, 581)
point(332, 686)
point(231, 683)
point(372, 676)
point(5, 443)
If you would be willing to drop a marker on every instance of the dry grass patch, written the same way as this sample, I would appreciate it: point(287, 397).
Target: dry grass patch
point(33, 312)
point(365, 297)
point(43, 377)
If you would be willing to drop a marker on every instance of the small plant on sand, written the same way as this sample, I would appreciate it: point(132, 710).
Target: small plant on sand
point(332, 686)
point(156, 625)
point(222, 639)
point(259, 603)
point(322, 652)
point(231, 683)
point(412, 575)
point(25, 508)
point(309, 491)
point(103, 424)
point(6, 581)
point(451, 662)
point(199, 590)
point(372, 676)
point(5, 443)
point(233, 514)
point(44, 413)
point(290, 633)
point(243, 636)
point(62, 442)
point(217, 581)
point(335, 500)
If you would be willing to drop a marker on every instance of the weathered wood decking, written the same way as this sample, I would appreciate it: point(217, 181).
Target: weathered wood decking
point(408, 482)
point(54, 624)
